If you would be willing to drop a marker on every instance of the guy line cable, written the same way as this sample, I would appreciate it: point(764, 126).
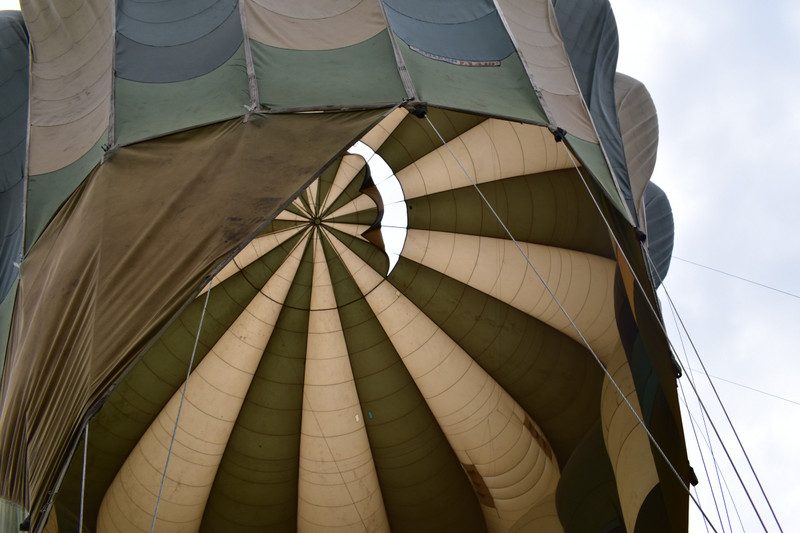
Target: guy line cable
point(725, 412)
point(661, 325)
point(572, 323)
point(180, 406)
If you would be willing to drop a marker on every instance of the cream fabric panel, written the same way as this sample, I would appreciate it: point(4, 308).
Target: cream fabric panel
point(257, 248)
point(338, 485)
point(375, 137)
point(626, 441)
point(489, 432)
point(492, 150)
point(215, 394)
point(533, 27)
point(318, 25)
point(638, 123)
point(583, 283)
point(351, 164)
point(70, 79)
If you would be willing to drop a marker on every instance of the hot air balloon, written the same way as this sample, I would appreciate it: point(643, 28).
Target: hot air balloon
point(354, 266)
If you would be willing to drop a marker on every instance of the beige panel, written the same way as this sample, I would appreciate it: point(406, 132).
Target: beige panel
point(256, 249)
point(338, 486)
point(626, 440)
point(583, 283)
point(533, 27)
point(492, 150)
point(351, 229)
point(378, 135)
point(359, 203)
point(70, 79)
point(214, 396)
point(351, 164)
point(638, 124)
point(319, 25)
point(485, 427)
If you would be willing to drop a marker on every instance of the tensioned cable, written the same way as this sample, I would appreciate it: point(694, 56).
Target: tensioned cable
point(751, 388)
point(83, 475)
point(725, 412)
point(572, 323)
point(663, 329)
point(787, 293)
point(180, 406)
point(693, 425)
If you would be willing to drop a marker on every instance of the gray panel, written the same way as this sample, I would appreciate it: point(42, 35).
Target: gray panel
point(171, 23)
point(590, 36)
point(467, 30)
point(660, 229)
point(159, 64)
point(13, 132)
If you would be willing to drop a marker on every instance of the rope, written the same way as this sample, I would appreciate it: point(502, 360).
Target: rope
point(787, 293)
point(83, 475)
point(725, 412)
point(180, 406)
point(572, 323)
point(661, 325)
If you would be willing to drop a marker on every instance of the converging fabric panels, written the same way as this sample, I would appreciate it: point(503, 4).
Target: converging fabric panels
point(390, 260)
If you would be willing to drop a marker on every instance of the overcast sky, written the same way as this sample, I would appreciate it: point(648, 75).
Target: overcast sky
point(724, 78)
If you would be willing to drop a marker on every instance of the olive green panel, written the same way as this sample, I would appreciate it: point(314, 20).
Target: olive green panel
point(137, 400)
point(6, 310)
point(587, 498)
point(655, 376)
point(256, 484)
point(590, 155)
point(366, 217)
point(552, 377)
point(550, 208)
point(414, 137)
point(46, 192)
point(147, 228)
point(350, 192)
point(145, 110)
point(358, 75)
point(423, 485)
point(499, 91)
point(325, 183)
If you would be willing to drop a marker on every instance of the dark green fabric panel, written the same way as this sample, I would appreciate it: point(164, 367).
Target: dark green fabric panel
point(652, 516)
point(144, 391)
point(366, 217)
point(589, 31)
point(325, 182)
point(357, 75)
point(350, 192)
point(144, 110)
point(587, 498)
point(46, 192)
point(591, 157)
point(551, 376)
point(501, 91)
point(256, 484)
point(551, 208)
point(654, 376)
point(423, 485)
point(413, 137)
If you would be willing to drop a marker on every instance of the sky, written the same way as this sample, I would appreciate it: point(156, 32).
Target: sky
point(721, 76)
